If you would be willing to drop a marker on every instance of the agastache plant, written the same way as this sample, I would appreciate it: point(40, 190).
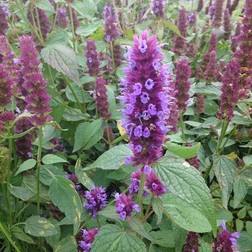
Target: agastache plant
point(4, 13)
point(218, 13)
point(92, 58)
point(227, 24)
point(158, 7)
point(62, 20)
point(192, 242)
point(86, 239)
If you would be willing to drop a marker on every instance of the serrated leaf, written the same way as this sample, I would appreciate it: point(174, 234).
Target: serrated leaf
point(112, 238)
point(68, 244)
point(64, 196)
point(74, 115)
point(52, 159)
point(39, 227)
point(240, 190)
point(164, 238)
point(63, 59)
point(137, 226)
point(188, 185)
point(26, 165)
point(224, 170)
point(87, 134)
point(112, 159)
point(88, 29)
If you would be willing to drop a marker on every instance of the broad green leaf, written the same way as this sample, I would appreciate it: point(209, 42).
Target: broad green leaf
point(26, 165)
point(63, 59)
point(205, 247)
point(45, 5)
point(68, 244)
point(39, 227)
point(248, 160)
point(52, 159)
point(21, 235)
point(249, 227)
point(164, 238)
point(113, 108)
point(187, 184)
point(240, 190)
point(87, 9)
point(112, 159)
point(245, 242)
point(172, 27)
point(224, 170)
point(87, 134)
point(112, 238)
point(109, 212)
point(64, 196)
point(185, 215)
point(21, 192)
point(48, 172)
point(158, 209)
point(138, 226)
point(183, 151)
point(88, 29)
point(78, 91)
point(74, 115)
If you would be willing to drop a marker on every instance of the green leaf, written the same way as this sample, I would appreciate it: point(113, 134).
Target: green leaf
point(64, 196)
point(67, 244)
point(183, 151)
point(240, 190)
point(172, 27)
point(248, 160)
point(39, 227)
point(74, 115)
point(52, 159)
point(185, 215)
point(87, 9)
point(21, 192)
point(48, 172)
point(112, 159)
point(164, 238)
point(188, 185)
point(109, 212)
point(77, 90)
point(45, 5)
point(63, 59)
point(88, 29)
point(224, 170)
point(82, 176)
point(205, 247)
point(26, 165)
point(245, 242)
point(87, 135)
point(21, 235)
point(113, 108)
point(138, 226)
point(158, 209)
point(249, 227)
point(112, 238)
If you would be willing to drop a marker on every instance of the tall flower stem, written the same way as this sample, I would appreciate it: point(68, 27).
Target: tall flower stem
point(222, 135)
point(182, 126)
point(40, 138)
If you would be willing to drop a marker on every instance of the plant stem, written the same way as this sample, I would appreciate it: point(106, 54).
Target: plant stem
point(74, 95)
point(222, 134)
point(182, 126)
point(8, 196)
point(141, 191)
point(40, 136)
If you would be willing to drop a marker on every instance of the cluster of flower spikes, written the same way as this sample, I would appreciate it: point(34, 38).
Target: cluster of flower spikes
point(96, 199)
point(38, 18)
point(229, 90)
point(226, 241)
point(244, 50)
point(227, 24)
point(146, 100)
point(182, 83)
point(92, 58)
point(61, 17)
point(86, 239)
point(200, 5)
point(180, 41)
point(158, 7)
point(110, 22)
point(218, 13)
point(102, 98)
point(192, 242)
point(24, 144)
point(37, 99)
point(4, 13)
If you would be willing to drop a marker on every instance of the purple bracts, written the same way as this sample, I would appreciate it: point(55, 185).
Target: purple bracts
point(192, 242)
point(200, 5)
point(4, 12)
point(182, 83)
point(102, 98)
point(226, 241)
point(125, 205)
point(92, 58)
point(218, 9)
point(96, 199)
point(37, 99)
point(229, 90)
point(146, 100)
point(211, 71)
point(117, 52)
point(227, 24)
point(5, 87)
point(158, 7)
point(87, 238)
point(200, 103)
point(110, 22)
point(62, 20)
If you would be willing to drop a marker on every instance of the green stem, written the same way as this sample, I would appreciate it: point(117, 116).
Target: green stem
point(182, 126)
point(8, 236)
point(72, 24)
point(8, 196)
point(74, 95)
point(222, 135)
point(40, 136)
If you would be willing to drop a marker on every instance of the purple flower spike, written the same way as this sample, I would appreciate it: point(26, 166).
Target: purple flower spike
point(92, 58)
point(211, 71)
point(218, 13)
point(4, 13)
point(125, 205)
point(5, 87)
point(62, 20)
point(192, 242)
point(158, 7)
point(227, 24)
point(96, 199)
point(146, 100)
point(86, 239)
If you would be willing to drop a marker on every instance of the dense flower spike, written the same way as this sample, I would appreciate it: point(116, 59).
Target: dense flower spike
point(212, 47)
point(218, 9)
point(110, 22)
point(226, 241)
point(235, 37)
point(228, 5)
point(117, 53)
point(229, 90)
point(24, 144)
point(200, 103)
point(145, 98)
point(38, 18)
point(192, 18)
point(211, 71)
point(96, 199)
point(102, 98)
point(200, 5)
point(92, 58)
point(244, 50)
point(5, 87)
point(125, 205)
point(192, 242)
point(37, 99)
point(227, 24)
point(182, 83)
point(62, 20)
point(86, 239)
point(4, 12)
point(158, 7)
point(180, 41)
